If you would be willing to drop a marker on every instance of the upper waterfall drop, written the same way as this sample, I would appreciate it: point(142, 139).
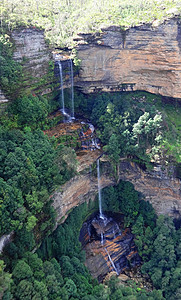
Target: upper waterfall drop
point(72, 88)
point(61, 86)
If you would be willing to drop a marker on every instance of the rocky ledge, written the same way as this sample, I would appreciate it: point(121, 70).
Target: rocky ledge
point(157, 186)
point(146, 57)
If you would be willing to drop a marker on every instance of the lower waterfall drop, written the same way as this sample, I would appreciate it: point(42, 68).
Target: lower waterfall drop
point(108, 245)
point(112, 263)
point(102, 239)
point(99, 190)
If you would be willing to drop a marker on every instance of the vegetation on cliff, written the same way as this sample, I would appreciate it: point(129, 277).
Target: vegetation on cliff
point(57, 271)
point(10, 71)
point(28, 176)
point(32, 165)
point(157, 239)
point(30, 168)
point(64, 19)
point(142, 126)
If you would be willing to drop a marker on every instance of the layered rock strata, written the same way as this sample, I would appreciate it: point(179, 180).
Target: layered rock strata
point(158, 187)
point(146, 57)
point(34, 54)
point(78, 190)
point(108, 246)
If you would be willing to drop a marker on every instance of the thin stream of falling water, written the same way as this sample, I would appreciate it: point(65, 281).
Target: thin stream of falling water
point(112, 263)
point(72, 88)
point(102, 238)
point(5, 239)
point(99, 190)
point(61, 86)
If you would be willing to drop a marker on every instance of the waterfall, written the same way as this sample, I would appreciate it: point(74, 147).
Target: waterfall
point(94, 142)
point(96, 145)
point(72, 87)
point(102, 238)
point(99, 191)
point(61, 86)
point(4, 240)
point(112, 263)
point(91, 127)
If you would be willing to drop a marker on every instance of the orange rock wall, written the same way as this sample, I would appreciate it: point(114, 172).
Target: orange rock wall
point(78, 190)
point(160, 188)
point(157, 186)
point(141, 58)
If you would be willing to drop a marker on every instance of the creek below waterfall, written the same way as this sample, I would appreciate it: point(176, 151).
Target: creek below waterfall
point(108, 245)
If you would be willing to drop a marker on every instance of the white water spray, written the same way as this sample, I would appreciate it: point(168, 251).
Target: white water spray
point(91, 127)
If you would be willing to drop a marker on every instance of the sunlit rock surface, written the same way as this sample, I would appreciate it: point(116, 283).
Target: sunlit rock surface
point(141, 58)
point(157, 186)
point(34, 54)
point(79, 189)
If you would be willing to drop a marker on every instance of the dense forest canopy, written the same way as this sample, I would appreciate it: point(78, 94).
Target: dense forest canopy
point(32, 165)
point(63, 19)
point(137, 124)
point(56, 270)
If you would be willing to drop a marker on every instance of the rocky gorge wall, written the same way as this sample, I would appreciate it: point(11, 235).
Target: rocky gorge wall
point(34, 55)
point(78, 190)
point(146, 57)
point(163, 191)
point(160, 187)
point(31, 51)
point(141, 58)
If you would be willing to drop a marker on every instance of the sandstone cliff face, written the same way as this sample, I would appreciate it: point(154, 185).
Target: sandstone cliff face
point(32, 51)
point(141, 58)
point(162, 191)
point(78, 190)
